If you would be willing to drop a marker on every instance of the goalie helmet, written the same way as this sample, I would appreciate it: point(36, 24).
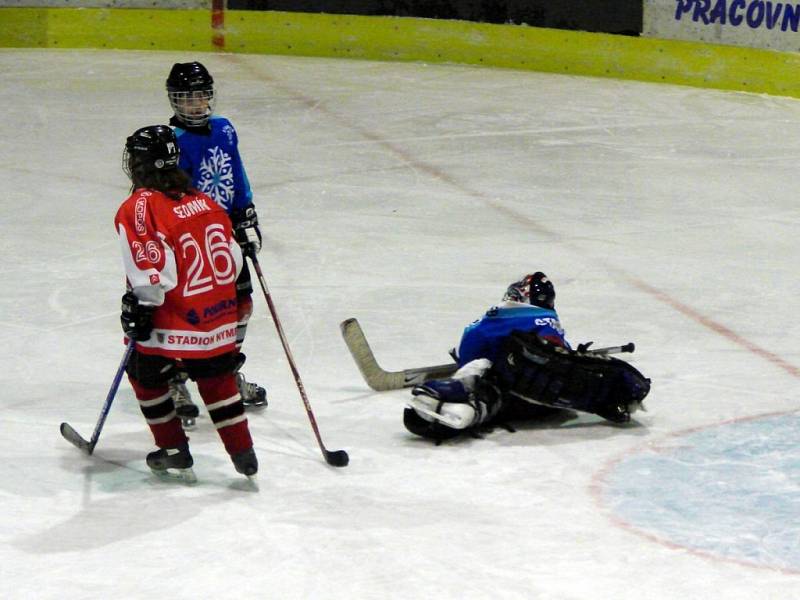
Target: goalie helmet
point(535, 289)
point(190, 89)
point(150, 149)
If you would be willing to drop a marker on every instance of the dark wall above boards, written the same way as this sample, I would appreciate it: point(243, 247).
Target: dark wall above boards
point(603, 16)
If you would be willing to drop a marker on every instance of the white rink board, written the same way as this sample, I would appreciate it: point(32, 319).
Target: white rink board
point(765, 24)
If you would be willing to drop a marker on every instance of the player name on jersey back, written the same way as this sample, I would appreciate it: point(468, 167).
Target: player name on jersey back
point(191, 208)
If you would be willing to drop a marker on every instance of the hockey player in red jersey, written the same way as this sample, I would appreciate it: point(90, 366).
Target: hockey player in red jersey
point(181, 262)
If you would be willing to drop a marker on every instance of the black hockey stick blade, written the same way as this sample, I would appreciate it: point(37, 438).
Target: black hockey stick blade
point(74, 438)
point(337, 458)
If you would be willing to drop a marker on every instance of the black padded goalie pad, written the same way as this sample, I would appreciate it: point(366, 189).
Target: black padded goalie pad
point(540, 372)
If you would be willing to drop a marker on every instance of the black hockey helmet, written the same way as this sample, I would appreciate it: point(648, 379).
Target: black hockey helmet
point(189, 77)
point(151, 148)
point(190, 89)
point(535, 289)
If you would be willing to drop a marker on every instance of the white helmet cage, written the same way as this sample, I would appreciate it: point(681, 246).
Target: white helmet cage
point(195, 107)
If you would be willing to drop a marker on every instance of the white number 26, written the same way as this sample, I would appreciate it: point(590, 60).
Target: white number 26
point(211, 262)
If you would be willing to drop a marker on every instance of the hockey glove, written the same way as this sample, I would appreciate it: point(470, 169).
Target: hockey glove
point(136, 319)
point(245, 228)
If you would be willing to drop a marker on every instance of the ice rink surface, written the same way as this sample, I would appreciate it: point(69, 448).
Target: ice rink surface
point(409, 196)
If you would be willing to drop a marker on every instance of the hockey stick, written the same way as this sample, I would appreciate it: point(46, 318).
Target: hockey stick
point(381, 380)
point(335, 458)
point(72, 436)
point(376, 377)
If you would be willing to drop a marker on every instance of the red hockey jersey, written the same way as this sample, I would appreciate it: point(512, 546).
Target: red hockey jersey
point(181, 256)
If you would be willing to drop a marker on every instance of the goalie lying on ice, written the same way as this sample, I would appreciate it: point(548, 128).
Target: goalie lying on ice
point(516, 358)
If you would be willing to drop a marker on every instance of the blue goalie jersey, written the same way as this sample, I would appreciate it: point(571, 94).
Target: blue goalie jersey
point(211, 156)
point(484, 337)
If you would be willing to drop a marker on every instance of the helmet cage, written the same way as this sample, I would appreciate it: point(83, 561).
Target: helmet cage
point(190, 89)
point(193, 107)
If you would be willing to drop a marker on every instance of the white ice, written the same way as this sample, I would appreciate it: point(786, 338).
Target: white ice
point(409, 196)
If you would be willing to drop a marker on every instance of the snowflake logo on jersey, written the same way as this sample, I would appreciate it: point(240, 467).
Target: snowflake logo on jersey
point(216, 177)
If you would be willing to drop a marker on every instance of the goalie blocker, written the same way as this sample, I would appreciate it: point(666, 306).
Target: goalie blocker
point(535, 371)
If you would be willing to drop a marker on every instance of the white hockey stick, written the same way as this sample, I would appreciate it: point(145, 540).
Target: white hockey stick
point(381, 380)
point(376, 377)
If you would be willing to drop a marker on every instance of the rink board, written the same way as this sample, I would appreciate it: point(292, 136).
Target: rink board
point(407, 39)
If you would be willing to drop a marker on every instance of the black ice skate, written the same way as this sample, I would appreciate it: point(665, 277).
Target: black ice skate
point(246, 463)
point(186, 410)
point(174, 463)
point(253, 395)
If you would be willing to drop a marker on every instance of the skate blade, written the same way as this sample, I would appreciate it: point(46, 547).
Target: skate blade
point(188, 423)
point(252, 480)
point(255, 405)
point(177, 475)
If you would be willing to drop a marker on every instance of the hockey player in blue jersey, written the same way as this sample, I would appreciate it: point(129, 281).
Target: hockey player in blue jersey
point(515, 360)
point(209, 152)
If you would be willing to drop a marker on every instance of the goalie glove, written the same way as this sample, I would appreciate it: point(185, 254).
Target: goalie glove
point(245, 229)
point(136, 319)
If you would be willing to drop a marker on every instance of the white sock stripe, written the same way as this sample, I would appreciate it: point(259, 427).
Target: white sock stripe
point(229, 422)
point(162, 420)
point(221, 403)
point(154, 401)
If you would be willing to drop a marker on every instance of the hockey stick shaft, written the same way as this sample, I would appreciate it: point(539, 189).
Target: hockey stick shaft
point(337, 458)
point(69, 432)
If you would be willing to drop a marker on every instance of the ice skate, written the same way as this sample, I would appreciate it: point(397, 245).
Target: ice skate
point(186, 410)
point(253, 395)
point(620, 412)
point(246, 463)
point(173, 463)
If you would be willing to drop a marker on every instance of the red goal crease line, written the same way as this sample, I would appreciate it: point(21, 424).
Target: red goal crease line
point(725, 332)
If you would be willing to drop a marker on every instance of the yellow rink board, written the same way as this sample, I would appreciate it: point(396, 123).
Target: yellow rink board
point(409, 39)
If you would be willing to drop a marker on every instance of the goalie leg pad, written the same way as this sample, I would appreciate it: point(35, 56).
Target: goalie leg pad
point(446, 401)
point(539, 372)
point(444, 408)
point(432, 430)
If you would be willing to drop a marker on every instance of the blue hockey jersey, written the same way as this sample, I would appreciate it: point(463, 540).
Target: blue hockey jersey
point(211, 156)
point(484, 337)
